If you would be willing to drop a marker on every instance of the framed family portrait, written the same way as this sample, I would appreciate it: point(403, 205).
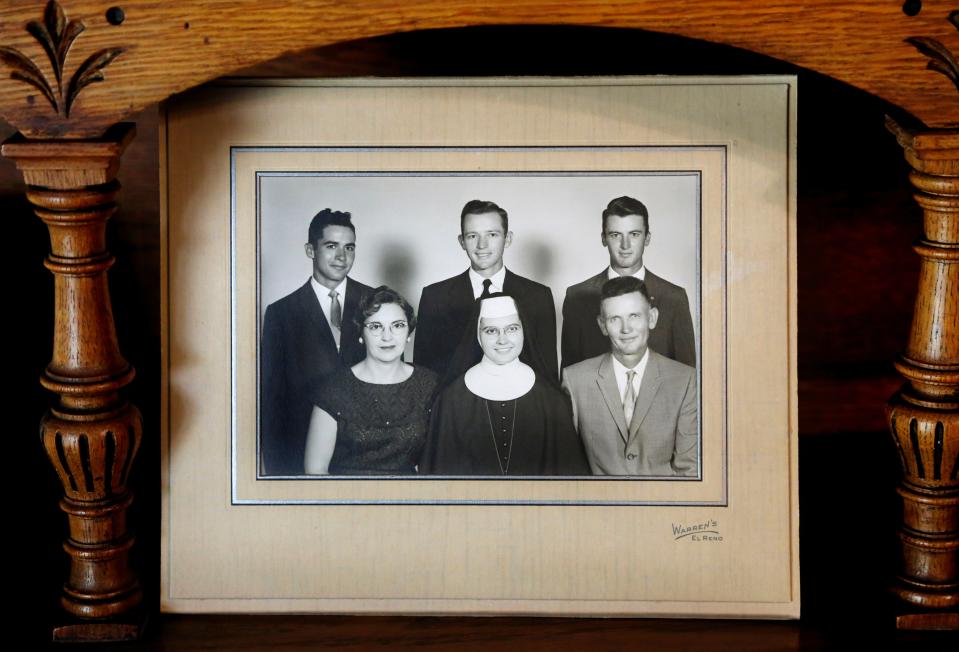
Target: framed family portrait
point(481, 346)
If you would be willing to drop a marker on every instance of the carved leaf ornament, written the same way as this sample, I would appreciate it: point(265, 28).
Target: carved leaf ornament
point(56, 35)
point(941, 59)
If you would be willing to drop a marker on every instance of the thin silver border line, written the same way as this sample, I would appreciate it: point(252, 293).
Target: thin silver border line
point(511, 174)
point(531, 478)
point(699, 478)
point(793, 348)
point(545, 503)
point(234, 150)
point(724, 222)
point(624, 173)
point(511, 81)
point(233, 319)
point(533, 173)
point(275, 174)
point(699, 323)
point(279, 149)
point(697, 174)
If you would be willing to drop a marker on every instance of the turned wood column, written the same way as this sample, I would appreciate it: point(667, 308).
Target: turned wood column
point(91, 433)
point(924, 415)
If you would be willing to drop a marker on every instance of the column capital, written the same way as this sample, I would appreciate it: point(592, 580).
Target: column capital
point(70, 164)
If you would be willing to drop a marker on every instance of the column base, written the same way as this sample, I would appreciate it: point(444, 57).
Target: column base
point(928, 621)
point(99, 605)
point(129, 628)
point(925, 607)
point(921, 595)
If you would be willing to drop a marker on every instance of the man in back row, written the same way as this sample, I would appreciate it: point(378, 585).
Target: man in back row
point(626, 235)
point(445, 307)
point(307, 335)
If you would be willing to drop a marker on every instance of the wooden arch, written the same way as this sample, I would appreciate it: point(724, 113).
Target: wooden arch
point(140, 52)
point(73, 70)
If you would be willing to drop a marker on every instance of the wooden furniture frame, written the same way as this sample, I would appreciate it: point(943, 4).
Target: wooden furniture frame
point(75, 70)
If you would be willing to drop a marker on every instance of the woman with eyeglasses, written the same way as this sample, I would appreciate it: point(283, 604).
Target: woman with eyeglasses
point(505, 415)
point(372, 418)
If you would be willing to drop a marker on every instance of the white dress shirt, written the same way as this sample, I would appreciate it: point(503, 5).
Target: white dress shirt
point(496, 281)
point(640, 273)
point(620, 370)
point(323, 296)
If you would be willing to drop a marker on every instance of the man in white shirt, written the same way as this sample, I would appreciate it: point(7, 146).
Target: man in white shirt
point(306, 336)
point(636, 410)
point(626, 235)
point(445, 307)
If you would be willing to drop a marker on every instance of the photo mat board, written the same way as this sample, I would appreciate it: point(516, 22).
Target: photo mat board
point(245, 166)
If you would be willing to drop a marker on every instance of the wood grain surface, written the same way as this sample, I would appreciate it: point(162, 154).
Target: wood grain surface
point(856, 220)
point(924, 415)
point(294, 633)
point(91, 434)
point(162, 48)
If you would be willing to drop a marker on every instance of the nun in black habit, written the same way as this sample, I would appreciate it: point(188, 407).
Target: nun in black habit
point(501, 413)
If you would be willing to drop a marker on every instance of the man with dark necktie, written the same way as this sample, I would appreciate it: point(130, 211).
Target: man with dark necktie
point(306, 336)
point(445, 307)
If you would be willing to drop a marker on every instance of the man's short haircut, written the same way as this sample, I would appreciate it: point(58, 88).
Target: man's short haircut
point(623, 206)
point(328, 217)
point(378, 298)
point(617, 287)
point(478, 207)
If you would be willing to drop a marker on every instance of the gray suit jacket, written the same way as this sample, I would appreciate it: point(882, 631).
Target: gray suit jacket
point(661, 440)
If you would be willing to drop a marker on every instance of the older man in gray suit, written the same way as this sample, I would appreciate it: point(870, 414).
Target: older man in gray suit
point(635, 409)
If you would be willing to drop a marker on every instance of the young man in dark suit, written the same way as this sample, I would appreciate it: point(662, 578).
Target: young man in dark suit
point(626, 234)
point(306, 336)
point(445, 307)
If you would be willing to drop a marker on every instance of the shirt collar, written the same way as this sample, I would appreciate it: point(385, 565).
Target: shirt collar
point(497, 280)
point(640, 273)
point(619, 369)
point(323, 293)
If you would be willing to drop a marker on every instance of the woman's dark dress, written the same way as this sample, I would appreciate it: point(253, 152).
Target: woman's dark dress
point(531, 435)
point(381, 429)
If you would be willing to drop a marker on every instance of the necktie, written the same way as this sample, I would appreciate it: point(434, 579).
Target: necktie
point(629, 398)
point(336, 311)
point(486, 285)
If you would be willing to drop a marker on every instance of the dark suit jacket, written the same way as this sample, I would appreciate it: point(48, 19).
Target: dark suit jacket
point(444, 313)
point(673, 336)
point(661, 440)
point(297, 351)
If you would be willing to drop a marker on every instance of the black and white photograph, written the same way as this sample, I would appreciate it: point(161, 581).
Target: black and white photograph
point(489, 325)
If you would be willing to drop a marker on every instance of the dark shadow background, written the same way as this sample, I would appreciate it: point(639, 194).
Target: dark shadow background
point(857, 279)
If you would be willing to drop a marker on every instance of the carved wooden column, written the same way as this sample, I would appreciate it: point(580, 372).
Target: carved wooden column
point(924, 415)
point(91, 433)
